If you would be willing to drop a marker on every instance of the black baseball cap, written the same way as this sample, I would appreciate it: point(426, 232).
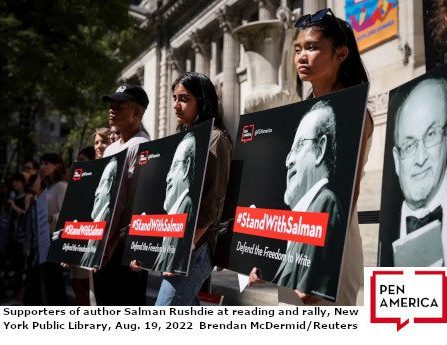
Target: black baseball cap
point(133, 93)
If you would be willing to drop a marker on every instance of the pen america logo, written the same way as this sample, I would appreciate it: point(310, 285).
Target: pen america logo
point(80, 173)
point(144, 158)
point(404, 295)
point(77, 175)
point(247, 133)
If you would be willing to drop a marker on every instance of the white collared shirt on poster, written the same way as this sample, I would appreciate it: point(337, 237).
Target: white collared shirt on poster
point(174, 208)
point(100, 216)
point(304, 203)
point(440, 198)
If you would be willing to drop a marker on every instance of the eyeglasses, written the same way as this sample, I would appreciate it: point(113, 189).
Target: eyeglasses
point(299, 145)
point(431, 138)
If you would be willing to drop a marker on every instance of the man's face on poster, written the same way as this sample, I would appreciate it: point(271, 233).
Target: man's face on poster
point(420, 149)
point(301, 160)
point(102, 192)
point(177, 178)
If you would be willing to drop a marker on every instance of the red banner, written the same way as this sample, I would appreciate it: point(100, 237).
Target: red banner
point(158, 225)
point(302, 227)
point(84, 230)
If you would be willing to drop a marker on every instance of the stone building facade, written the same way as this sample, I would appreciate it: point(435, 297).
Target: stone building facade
point(246, 48)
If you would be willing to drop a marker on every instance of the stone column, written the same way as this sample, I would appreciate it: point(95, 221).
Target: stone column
point(231, 88)
point(140, 75)
point(201, 47)
point(312, 6)
point(163, 96)
point(213, 57)
point(288, 75)
point(176, 66)
point(265, 10)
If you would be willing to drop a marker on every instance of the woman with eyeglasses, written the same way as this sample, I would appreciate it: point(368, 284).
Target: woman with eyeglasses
point(114, 134)
point(327, 56)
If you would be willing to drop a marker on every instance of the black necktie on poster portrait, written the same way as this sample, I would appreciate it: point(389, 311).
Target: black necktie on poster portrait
point(414, 223)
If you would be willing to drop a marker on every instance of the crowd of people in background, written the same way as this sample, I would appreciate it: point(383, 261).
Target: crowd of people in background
point(22, 279)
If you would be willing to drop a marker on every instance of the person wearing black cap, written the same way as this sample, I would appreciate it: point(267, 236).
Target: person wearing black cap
point(127, 106)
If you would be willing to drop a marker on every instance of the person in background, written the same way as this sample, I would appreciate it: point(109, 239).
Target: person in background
point(327, 56)
point(101, 139)
point(32, 294)
point(31, 167)
point(86, 154)
point(114, 134)
point(16, 244)
point(54, 177)
point(22, 200)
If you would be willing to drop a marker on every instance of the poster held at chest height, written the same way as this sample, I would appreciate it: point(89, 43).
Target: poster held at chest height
point(413, 220)
point(168, 185)
point(298, 171)
point(87, 212)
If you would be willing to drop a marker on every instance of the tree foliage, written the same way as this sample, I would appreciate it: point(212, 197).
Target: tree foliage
point(59, 57)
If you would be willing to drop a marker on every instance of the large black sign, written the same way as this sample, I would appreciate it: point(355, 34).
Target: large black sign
point(168, 186)
point(297, 167)
point(412, 220)
point(87, 212)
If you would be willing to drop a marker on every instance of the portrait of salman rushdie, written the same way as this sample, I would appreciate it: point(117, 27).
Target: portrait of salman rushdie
point(420, 157)
point(311, 164)
point(179, 180)
point(102, 208)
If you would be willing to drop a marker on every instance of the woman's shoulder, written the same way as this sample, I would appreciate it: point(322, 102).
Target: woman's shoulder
point(220, 138)
point(369, 125)
point(58, 186)
point(219, 135)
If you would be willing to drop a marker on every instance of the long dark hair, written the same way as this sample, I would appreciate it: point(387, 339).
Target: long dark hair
point(60, 174)
point(208, 103)
point(352, 71)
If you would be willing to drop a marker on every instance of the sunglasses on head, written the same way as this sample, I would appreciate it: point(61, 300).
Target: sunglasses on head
point(314, 18)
